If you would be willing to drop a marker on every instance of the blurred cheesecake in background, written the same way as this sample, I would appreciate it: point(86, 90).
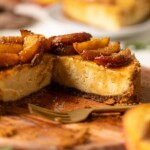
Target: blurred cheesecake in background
point(107, 14)
point(45, 2)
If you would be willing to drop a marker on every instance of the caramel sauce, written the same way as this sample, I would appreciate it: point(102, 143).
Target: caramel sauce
point(60, 100)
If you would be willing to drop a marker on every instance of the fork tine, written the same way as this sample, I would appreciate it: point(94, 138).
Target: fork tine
point(55, 114)
point(53, 117)
point(50, 114)
point(46, 112)
point(35, 107)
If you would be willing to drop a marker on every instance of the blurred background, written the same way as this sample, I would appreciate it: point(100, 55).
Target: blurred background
point(127, 21)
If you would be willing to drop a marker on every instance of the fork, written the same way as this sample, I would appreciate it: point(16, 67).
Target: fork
point(75, 115)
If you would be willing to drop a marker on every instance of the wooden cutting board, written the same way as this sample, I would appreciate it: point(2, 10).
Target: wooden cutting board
point(21, 130)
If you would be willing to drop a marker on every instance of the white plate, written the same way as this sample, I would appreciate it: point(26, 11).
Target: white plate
point(67, 25)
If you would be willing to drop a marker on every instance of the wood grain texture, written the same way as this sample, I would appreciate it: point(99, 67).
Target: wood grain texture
point(21, 130)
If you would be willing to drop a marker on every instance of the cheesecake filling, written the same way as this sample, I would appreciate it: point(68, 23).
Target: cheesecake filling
point(88, 77)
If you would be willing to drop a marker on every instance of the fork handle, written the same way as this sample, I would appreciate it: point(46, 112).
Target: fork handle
point(112, 108)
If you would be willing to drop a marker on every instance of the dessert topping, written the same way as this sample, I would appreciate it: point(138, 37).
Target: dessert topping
point(22, 49)
point(106, 51)
point(102, 52)
point(92, 44)
point(121, 58)
point(63, 44)
point(29, 48)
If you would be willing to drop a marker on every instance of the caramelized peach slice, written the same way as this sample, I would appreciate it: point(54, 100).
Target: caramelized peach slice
point(11, 39)
point(8, 60)
point(91, 44)
point(68, 39)
point(32, 45)
point(108, 50)
point(63, 43)
point(24, 33)
point(47, 44)
point(115, 60)
point(65, 50)
point(136, 127)
point(10, 48)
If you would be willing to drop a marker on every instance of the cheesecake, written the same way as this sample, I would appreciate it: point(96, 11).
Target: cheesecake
point(109, 15)
point(95, 67)
point(120, 84)
point(23, 80)
point(25, 66)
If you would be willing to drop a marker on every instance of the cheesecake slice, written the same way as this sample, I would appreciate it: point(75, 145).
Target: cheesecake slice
point(121, 85)
point(24, 79)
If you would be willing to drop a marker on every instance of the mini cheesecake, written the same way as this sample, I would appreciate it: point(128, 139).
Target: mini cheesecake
point(122, 84)
point(24, 79)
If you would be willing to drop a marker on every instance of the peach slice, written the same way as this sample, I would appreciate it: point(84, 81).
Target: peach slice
point(10, 48)
point(8, 60)
point(91, 44)
point(11, 39)
point(115, 59)
point(24, 33)
point(32, 46)
point(108, 50)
